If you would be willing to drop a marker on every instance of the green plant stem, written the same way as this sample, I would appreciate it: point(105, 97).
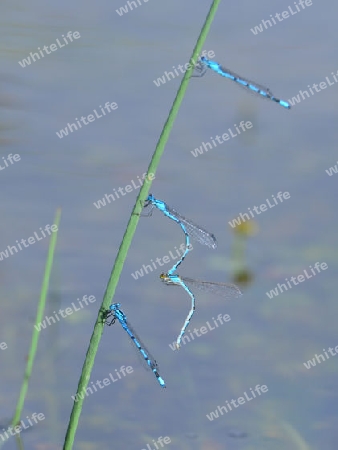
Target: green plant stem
point(129, 233)
point(38, 319)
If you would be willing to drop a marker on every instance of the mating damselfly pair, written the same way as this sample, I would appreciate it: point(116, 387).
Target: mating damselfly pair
point(199, 234)
point(190, 229)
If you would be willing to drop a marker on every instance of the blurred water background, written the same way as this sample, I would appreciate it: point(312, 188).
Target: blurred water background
point(116, 59)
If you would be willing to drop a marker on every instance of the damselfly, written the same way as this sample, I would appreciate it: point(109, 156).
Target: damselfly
point(116, 313)
point(190, 229)
point(224, 290)
point(250, 85)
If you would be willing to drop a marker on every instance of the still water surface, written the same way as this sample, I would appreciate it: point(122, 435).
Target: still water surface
point(116, 59)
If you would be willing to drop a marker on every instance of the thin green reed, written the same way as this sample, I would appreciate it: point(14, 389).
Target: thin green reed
point(38, 319)
point(129, 233)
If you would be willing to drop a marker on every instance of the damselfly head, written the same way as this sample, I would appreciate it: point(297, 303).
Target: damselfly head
point(114, 306)
point(147, 202)
point(199, 69)
point(164, 277)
